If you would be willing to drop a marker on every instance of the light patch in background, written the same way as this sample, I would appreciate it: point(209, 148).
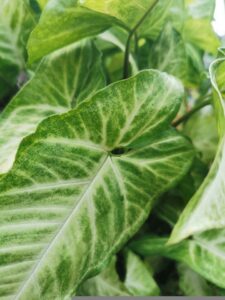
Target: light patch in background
point(219, 18)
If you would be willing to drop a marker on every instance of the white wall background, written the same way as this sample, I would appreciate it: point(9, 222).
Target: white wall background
point(219, 18)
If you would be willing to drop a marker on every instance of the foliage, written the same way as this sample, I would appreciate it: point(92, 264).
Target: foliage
point(112, 149)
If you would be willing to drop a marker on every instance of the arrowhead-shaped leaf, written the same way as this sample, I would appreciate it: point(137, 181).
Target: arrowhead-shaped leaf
point(81, 186)
point(64, 22)
point(206, 209)
point(62, 80)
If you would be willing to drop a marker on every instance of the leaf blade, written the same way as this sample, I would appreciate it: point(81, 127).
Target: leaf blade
point(74, 169)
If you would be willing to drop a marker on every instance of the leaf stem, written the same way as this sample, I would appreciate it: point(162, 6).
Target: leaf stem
point(189, 114)
point(130, 36)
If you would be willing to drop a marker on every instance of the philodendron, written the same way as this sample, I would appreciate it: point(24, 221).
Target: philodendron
point(100, 157)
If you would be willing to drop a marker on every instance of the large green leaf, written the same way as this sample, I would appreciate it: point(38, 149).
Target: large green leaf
point(64, 22)
point(138, 280)
point(16, 22)
point(62, 80)
point(206, 209)
point(205, 254)
point(73, 198)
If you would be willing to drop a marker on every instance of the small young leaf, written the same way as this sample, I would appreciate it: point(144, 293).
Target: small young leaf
point(68, 204)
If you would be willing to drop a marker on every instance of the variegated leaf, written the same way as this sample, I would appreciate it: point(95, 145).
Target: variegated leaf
point(107, 283)
point(205, 253)
point(85, 182)
point(65, 22)
point(16, 22)
point(138, 280)
point(206, 209)
point(62, 80)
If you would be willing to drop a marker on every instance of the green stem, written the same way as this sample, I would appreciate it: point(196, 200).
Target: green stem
point(130, 36)
point(189, 114)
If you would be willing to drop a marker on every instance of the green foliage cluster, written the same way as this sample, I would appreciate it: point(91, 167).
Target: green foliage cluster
point(112, 149)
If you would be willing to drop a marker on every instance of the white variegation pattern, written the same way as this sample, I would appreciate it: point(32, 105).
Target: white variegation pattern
point(206, 209)
point(70, 201)
point(64, 22)
point(62, 80)
point(205, 253)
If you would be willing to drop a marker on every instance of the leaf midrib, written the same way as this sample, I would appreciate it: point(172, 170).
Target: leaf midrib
point(54, 239)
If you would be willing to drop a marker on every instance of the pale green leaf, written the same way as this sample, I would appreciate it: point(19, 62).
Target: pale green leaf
point(73, 198)
point(192, 284)
point(42, 3)
point(168, 53)
point(205, 254)
point(199, 9)
point(206, 209)
point(64, 22)
point(130, 12)
point(202, 129)
point(118, 37)
point(200, 33)
point(62, 80)
point(139, 280)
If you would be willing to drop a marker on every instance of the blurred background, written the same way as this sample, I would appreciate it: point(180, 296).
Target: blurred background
point(219, 22)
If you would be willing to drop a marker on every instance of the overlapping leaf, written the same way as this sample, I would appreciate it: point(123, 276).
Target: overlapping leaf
point(168, 53)
point(73, 198)
point(130, 12)
point(206, 209)
point(16, 22)
point(65, 22)
point(204, 254)
point(138, 280)
point(62, 80)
